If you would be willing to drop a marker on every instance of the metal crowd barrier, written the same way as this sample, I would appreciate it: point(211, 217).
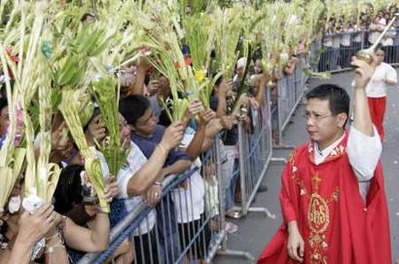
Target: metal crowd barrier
point(132, 222)
point(190, 220)
point(274, 114)
point(290, 90)
point(219, 235)
point(255, 151)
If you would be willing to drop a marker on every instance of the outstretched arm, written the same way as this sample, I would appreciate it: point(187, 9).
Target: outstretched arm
point(364, 144)
point(90, 240)
point(363, 74)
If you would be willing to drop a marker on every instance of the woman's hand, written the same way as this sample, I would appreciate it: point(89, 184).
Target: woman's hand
point(228, 121)
point(111, 189)
point(225, 88)
point(33, 227)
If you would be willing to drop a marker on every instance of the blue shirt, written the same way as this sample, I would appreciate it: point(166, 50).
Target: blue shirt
point(147, 146)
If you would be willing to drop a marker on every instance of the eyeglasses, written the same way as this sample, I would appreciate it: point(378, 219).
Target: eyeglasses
point(315, 117)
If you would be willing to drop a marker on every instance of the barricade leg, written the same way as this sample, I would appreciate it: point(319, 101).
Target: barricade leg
point(245, 167)
point(219, 243)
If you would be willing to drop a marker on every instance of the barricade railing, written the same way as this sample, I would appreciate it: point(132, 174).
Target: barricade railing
point(130, 222)
point(286, 98)
point(255, 151)
point(290, 90)
point(219, 237)
point(189, 223)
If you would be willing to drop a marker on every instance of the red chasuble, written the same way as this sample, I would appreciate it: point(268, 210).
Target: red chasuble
point(335, 223)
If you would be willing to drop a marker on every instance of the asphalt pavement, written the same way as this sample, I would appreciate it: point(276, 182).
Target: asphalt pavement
point(255, 229)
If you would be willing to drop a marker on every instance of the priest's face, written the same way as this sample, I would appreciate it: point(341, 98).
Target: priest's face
point(323, 127)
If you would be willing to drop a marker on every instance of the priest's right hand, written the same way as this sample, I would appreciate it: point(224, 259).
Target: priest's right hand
point(363, 72)
point(296, 245)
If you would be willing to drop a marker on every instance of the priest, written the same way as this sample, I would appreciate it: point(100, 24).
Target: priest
point(333, 197)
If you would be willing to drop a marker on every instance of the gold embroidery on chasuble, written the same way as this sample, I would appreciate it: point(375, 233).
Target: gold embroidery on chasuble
point(318, 222)
point(318, 212)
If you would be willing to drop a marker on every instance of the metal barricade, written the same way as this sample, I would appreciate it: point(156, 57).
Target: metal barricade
point(315, 51)
point(189, 223)
point(213, 163)
point(139, 229)
point(286, 99)
point(290, 92)
point(255, 152)
point(300, 79)
point(274, 113)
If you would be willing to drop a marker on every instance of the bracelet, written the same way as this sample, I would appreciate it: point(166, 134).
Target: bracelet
point(51, 249)
point(52, 236)
point(61, 225)
point(162, 148)
point(99, 210)
point(56, 235)
point(60, 244)
point(158, 182)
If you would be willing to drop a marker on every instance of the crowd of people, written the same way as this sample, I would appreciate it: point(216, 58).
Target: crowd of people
point(344, 37)
point(75, 221)
point(157, 148)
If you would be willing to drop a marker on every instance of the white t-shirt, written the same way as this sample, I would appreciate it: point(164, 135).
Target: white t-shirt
point(189, 202)
point(346, 37)
point(389, 37)
point(327, 40)
point(376, 87)
point(336, 42)
point(135, 160)
point(375, 30)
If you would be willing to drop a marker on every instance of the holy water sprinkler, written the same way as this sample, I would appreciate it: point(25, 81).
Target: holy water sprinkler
point(367, 54)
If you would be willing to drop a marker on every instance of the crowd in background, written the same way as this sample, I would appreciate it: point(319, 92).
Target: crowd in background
point(344, 37)
point(156, 148)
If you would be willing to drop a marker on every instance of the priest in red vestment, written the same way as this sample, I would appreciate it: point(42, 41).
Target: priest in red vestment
point(333, 197)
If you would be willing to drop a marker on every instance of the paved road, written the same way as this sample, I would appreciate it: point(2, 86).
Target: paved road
point(255, 230)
